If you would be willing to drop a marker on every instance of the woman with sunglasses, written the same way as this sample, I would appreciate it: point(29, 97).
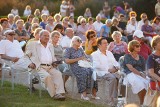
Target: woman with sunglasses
point(91, 42)
point(83, 75)
point(134, 67)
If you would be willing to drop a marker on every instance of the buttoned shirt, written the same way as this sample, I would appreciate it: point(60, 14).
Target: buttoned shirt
point(46, 56)
point(65, 42)
point(12, 49)
point(97, 26)
point(102, 62)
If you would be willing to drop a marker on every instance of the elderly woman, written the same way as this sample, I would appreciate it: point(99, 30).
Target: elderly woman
point(81, 30)
point(83, 75)
point(134, 67)
point(50, 25)
point(153, 62)
point(117, 47)
point(91, 42)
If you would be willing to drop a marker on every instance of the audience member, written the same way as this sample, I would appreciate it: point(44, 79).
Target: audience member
point(14, 11)
point(45, 11)
point(50, 25)
point(43, 23)
point(63, 8)
point(105, 29)
point(27, 11)
point(97, 25)
point(156, 25)
point(87, 13)
point(37, 13)
point(10, 20)
point(90, 24)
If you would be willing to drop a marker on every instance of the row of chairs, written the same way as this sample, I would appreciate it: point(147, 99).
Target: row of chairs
point(66, 72)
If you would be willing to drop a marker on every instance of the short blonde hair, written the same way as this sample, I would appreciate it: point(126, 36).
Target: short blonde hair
point(155, 41)
point(132, 44)
point(115, 33)
point(83, 19)
point(57, 15)
point(55, 33)
point(19, 20)
point(37, 30)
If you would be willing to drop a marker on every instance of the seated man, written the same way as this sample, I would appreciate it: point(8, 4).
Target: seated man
point(41, 55)
point(10, 49)
point(105, 66)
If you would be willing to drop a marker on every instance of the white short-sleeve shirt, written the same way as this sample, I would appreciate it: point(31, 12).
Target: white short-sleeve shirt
point(12, 49)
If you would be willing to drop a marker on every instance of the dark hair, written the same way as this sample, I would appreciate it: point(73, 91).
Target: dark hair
point(90, 19)
point(89, 32)
point(145, 20)
point(3, 20)
point(100, 40)
point(30, 16)
point(58, 26)
point(156, 18)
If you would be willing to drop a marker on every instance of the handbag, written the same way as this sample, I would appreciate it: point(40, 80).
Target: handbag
point(85, 64)
point(151, 97)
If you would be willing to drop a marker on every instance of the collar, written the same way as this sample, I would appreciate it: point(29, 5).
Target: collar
point(41, 44)
point(101, 52)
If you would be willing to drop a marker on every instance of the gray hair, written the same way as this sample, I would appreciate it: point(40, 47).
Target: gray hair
point(67, 29)
point(115, 33)
point(42, 31)
point(10, 15)
point(75, 38)
point(108, 21)
point(55, 33)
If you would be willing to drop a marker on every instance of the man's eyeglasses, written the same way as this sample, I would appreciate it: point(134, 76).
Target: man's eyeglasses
point(78, 40)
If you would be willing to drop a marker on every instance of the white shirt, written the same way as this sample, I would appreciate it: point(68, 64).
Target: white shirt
point(12, 49)
point(130, 28)
point(63, 8)
point(45, 12)
point(14, 12)
point(101, 62)
point(97, 25)
point(65, 42)
point(27, 12)
point(46, 56)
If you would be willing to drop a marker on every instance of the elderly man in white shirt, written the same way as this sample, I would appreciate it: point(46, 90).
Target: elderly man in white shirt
point(42, 58)
point(10, 49)
point(98, 24)
point(66, 40)
point(105, 65)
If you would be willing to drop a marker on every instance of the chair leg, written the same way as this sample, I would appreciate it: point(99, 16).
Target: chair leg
point(126, 94)
point(2, 81)
point(30, 84)
point(13, 78)
point(73, 81)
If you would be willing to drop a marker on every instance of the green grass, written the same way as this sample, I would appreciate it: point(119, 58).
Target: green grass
point(20, 97)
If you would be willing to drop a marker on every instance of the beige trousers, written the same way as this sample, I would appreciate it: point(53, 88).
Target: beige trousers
point(52, 79)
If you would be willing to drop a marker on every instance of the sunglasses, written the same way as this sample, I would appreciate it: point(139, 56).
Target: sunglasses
point(137, 46)
point(83, 22)
point(92, 36)
point(11, 34)
point(78, 40)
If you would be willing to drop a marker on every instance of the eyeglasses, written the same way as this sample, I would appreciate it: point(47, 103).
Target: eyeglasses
point(78, 40)
point(137, 46)
point(92, 36)
point(83, 22)
point(11, 34)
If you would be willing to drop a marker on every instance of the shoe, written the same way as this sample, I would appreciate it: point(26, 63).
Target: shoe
point(59, 97)
point(33, 89)
point(95, 97)
point(84, 98)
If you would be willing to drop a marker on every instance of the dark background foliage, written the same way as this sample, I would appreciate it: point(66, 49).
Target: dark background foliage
point(139, 6)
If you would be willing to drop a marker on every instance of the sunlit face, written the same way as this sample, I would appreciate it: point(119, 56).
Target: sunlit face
point(20, 24)
point(56, 38)
point(92, 37)
point(103, 44)
point(117, 37)
point(77, 42)
point(44, 37)
point(157, 47)
point(137, 48)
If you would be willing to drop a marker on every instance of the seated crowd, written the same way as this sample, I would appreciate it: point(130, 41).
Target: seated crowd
point(52, 44)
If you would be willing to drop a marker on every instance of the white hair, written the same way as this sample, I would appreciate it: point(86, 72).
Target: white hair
point(42, 31)
point(75, 38)
point(10, 15)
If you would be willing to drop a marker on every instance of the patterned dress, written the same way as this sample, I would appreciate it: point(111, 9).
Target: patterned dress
point(83, 75)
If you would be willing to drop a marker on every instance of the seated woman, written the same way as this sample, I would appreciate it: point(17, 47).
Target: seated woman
point(91, 42)
point(83, 75)
point(117, 47)
point(153, 63)
point(134, 67)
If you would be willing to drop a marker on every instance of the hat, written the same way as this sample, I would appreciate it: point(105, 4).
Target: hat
point(138, 33)
point(8, 31)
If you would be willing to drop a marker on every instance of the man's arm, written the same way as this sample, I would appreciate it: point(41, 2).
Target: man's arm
point(13, 59)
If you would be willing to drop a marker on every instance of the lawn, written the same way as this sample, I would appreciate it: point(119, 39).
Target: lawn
point(20, 97)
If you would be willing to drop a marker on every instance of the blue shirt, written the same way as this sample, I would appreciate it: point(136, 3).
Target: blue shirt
point(106, 31)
